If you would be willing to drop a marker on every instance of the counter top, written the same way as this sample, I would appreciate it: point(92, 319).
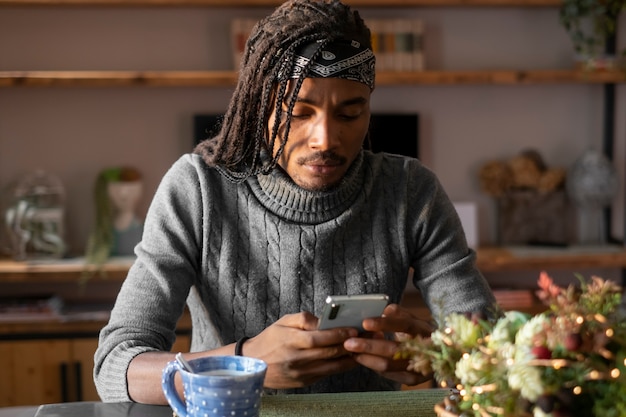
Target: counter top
point(61, 270)
point(489, 259)
point(414, 403)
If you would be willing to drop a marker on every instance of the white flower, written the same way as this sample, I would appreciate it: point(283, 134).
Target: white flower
point(506, 328)
point(530, 329)
point(538, 412)
point(471, 368)
point(506, 352)
point(421, 364)
point(464, 332)
point(438, 338)
point(526, 379)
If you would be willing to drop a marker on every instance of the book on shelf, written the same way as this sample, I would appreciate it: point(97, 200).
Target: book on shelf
point(51, 307)
point(417, 31)
point(397, 42)
point(31, 307)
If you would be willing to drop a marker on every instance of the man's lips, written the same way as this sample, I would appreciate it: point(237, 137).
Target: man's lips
point(322, 167)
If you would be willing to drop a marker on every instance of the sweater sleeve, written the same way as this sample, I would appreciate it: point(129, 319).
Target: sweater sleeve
point(444, 266)
point(153, 295)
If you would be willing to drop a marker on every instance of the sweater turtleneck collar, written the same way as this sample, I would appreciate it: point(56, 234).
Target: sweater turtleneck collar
point(280, 195)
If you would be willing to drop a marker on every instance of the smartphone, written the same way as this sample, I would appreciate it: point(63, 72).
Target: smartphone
point(351, 310)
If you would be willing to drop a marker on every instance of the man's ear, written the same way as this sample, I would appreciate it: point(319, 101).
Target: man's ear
point(367, 142)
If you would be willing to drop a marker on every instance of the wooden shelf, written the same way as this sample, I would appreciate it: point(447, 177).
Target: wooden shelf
point(496, 259)
point(501, 77)
point(117, 78)
point(229, 78)
point(37, 328)
point(62, 271)
point(11, 330)
point(274, 3)
point(489, 259)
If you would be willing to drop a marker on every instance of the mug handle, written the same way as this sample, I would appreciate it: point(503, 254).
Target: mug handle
point(169, 389)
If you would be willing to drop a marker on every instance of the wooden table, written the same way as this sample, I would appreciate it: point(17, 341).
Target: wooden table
point(417, 403)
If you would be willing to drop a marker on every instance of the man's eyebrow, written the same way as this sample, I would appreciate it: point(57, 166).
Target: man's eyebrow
point(348, 102)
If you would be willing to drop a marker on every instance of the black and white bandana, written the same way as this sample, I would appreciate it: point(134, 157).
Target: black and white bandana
point(346, 59)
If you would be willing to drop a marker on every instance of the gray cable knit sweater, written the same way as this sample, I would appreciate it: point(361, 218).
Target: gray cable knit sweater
point(241, 256)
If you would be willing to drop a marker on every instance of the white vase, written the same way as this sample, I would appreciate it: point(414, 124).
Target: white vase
point(591, 184)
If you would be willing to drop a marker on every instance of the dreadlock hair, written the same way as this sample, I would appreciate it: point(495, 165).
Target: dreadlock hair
point(267, 64)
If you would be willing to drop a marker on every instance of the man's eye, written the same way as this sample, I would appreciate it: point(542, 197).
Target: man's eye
point(349, 116)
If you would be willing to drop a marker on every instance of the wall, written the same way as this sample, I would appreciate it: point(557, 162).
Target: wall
point(75, 132)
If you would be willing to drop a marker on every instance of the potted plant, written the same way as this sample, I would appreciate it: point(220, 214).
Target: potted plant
point(590, 23)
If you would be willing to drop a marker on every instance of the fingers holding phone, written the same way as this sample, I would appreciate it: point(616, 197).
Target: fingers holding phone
point(400, 321)
point(297, 354)
point(377, 352)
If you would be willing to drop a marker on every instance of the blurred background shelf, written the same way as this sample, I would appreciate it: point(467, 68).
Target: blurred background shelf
point(515, 258)
point(489, 259)
point(61, 271)
point(273, 3)
point(229, 78)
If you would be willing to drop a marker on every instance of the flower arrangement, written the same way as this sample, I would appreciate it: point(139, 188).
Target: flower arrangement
point(567, 361)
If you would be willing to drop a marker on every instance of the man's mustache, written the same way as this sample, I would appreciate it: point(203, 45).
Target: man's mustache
point(322, 158)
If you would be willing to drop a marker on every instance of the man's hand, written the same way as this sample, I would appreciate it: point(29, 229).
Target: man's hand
point(377, 353)
point(297, 354)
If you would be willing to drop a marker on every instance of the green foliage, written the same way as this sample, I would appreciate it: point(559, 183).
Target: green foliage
point(590, 23)
point(571, 358)
point(100, 241)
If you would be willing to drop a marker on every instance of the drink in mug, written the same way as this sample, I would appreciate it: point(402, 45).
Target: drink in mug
point(219, 386)
point(224, 372)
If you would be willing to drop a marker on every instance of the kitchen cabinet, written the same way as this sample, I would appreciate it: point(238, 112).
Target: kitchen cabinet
point(52, 370)
point(46, 371)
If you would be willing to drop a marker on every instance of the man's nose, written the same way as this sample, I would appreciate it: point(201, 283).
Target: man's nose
point(324, 135)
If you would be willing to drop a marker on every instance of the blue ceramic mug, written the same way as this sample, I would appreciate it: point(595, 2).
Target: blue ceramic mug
point(219, 386)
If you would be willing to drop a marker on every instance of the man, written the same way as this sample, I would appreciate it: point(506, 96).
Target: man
point(282, 208)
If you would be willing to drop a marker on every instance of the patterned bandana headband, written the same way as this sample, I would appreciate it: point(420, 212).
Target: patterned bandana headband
point(346, 59)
